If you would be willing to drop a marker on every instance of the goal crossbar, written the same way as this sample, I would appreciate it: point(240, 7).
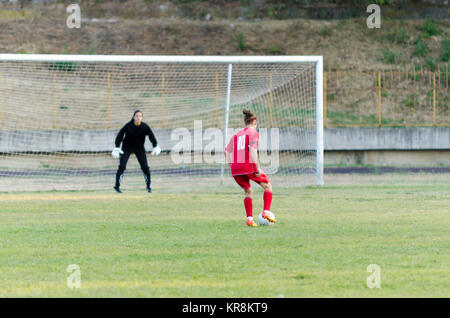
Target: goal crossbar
point(159, 58)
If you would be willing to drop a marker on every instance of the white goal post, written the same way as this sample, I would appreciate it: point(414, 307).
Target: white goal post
point(59, 115)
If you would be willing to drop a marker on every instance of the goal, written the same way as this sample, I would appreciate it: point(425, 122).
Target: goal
point(59, 115)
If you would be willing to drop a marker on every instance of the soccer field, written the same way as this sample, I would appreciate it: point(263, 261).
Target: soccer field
point(197, 245)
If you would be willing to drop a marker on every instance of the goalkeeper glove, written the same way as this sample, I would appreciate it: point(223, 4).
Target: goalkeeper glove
point(156, 151)
point(116, 152)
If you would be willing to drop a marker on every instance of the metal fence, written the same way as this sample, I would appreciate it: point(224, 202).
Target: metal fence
point(395, 97)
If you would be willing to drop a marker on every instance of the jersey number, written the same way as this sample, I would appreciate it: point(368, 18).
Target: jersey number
point(241, 142)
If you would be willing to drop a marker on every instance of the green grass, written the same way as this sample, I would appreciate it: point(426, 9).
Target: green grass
point(196, 244)
point(421, 48)
point(430, 29)
point(326, 31)
point(274, 50)
point(389, 56)
point(398, 37)
point(240, 42)
point(445, 56)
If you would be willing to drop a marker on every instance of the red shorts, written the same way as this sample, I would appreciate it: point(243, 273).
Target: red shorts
point(244, 179)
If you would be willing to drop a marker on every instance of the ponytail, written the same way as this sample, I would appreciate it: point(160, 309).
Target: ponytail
point(249, 116)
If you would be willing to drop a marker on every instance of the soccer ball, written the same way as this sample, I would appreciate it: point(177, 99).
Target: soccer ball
point(263, 221)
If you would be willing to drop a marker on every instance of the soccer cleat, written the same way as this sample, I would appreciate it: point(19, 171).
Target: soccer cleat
point(117, 189)
point(269, 216)
point(251, 223)
point(149, 190)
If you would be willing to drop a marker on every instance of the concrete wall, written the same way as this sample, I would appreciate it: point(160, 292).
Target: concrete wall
point(387, 146)
point(414, 138)
point(103, 140)
point(335, 139)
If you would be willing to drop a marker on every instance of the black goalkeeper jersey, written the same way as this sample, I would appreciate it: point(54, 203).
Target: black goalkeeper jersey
point(135, 135)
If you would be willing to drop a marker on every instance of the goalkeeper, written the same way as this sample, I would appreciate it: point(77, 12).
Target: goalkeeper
point(134, 131)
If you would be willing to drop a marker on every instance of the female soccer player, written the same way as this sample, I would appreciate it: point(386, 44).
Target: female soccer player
point(242, 154)
point(134, 131)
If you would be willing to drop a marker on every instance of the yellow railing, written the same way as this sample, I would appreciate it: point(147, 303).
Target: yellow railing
point(412, 96)
point(406, 96)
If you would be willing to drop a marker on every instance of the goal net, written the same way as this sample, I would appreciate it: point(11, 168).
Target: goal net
point(60, 114)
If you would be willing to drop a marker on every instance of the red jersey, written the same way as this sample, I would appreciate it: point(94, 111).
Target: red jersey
point(239, 148)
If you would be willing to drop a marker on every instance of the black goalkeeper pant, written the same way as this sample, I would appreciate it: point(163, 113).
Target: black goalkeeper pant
point(141, 157)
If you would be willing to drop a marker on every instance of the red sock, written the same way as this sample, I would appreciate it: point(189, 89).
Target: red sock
point(248, 206)
point(267, 200)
